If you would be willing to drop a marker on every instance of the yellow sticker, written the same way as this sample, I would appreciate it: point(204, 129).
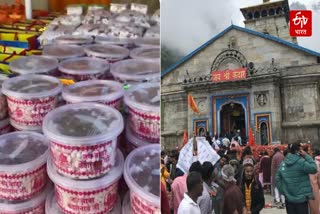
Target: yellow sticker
point(67, 81)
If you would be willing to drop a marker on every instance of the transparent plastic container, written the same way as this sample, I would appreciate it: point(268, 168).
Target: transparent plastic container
point(63, 52)
point(18, 127)
point(102, 91)
point(147, 42)
point(73, 40)
point(5, 126)
point(113, 41)
point(112, 53)
point(30, 98)
point(136, 71)
point(3, 100)
point(34, 65)
point(23, 160)
point(145, 53)
point(143, 105)
point(36, 205)
point(133, 142)
point(126, 205)
point(52, 206)
point(84, 68)
point(90, 196)
point(83, 139)
point(144, 190)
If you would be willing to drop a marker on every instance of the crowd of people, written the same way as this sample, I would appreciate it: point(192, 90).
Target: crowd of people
point(237, 185)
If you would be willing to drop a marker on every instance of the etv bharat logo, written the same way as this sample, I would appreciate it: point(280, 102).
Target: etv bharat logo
point(300, 23)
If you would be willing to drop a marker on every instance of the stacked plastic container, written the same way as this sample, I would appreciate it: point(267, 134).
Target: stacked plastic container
point(24, 183)
point(85, 164)
point(29, 99)
point(5, 126)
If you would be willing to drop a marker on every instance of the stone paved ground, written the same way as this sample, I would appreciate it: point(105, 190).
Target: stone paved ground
point(269, 200)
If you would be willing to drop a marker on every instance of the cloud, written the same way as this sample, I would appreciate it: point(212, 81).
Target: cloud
point(297, 6)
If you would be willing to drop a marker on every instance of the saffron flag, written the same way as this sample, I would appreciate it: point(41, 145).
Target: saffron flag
point(251, 138)
point(185, 137)
point(193, 104)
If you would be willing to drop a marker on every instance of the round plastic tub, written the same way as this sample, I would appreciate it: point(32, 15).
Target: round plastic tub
point(36, 205)
point(30, 98)
point(132, 142)
point(144, 190)
point(52, 206)
point(34, 65)
point(3, 100)
point(126, 206)
point(113, 41)
point(84, 68)
point(18, 127)
point(5, 126)
point(63, 52)
point(146, 53)
point(143, 105)
point(112, 53)
point(103, 91)
point(83, 139)
point(74, 40)
point(135, 71)
point(22, 165)
point(98, 196)
point(147, 42)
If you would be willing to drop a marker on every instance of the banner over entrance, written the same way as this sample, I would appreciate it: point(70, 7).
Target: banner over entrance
point(229, 75)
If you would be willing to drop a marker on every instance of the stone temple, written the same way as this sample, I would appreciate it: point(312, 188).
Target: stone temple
point(255, 77)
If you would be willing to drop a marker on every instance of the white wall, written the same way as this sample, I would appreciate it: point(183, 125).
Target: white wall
point(36, 4)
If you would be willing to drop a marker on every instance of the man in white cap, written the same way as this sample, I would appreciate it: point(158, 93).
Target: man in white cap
point(233, 198)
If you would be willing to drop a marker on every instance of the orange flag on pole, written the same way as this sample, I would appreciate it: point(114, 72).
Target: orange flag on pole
point(185, 137)
point(193, 104)
point(251, 138)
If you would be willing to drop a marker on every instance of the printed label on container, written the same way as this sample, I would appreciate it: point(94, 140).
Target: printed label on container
point(84, 161)
point(30, 112)
point(145, 126)
point(140, 206)
point(22, 186)
point(94, 202)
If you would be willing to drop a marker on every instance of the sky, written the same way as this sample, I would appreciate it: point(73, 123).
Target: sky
point(187, 24)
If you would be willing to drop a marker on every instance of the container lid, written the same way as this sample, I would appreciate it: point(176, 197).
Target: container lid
point(31, 86)
point(147, 42)
point(145, 53)
point(33, 65)
point(83, 124)
point(107, 51)
point(52, 206)
point(87, 185)
point(84, 65)
point(22, 151)
point(26, 206)
point(141, 162)
point(133, 139)
point(145, 96)
point(136, 70)
point(74, 40)
point(2, 79)
point(126, 205)
point(62, 52)
point(93, 90)
point(112, 41)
